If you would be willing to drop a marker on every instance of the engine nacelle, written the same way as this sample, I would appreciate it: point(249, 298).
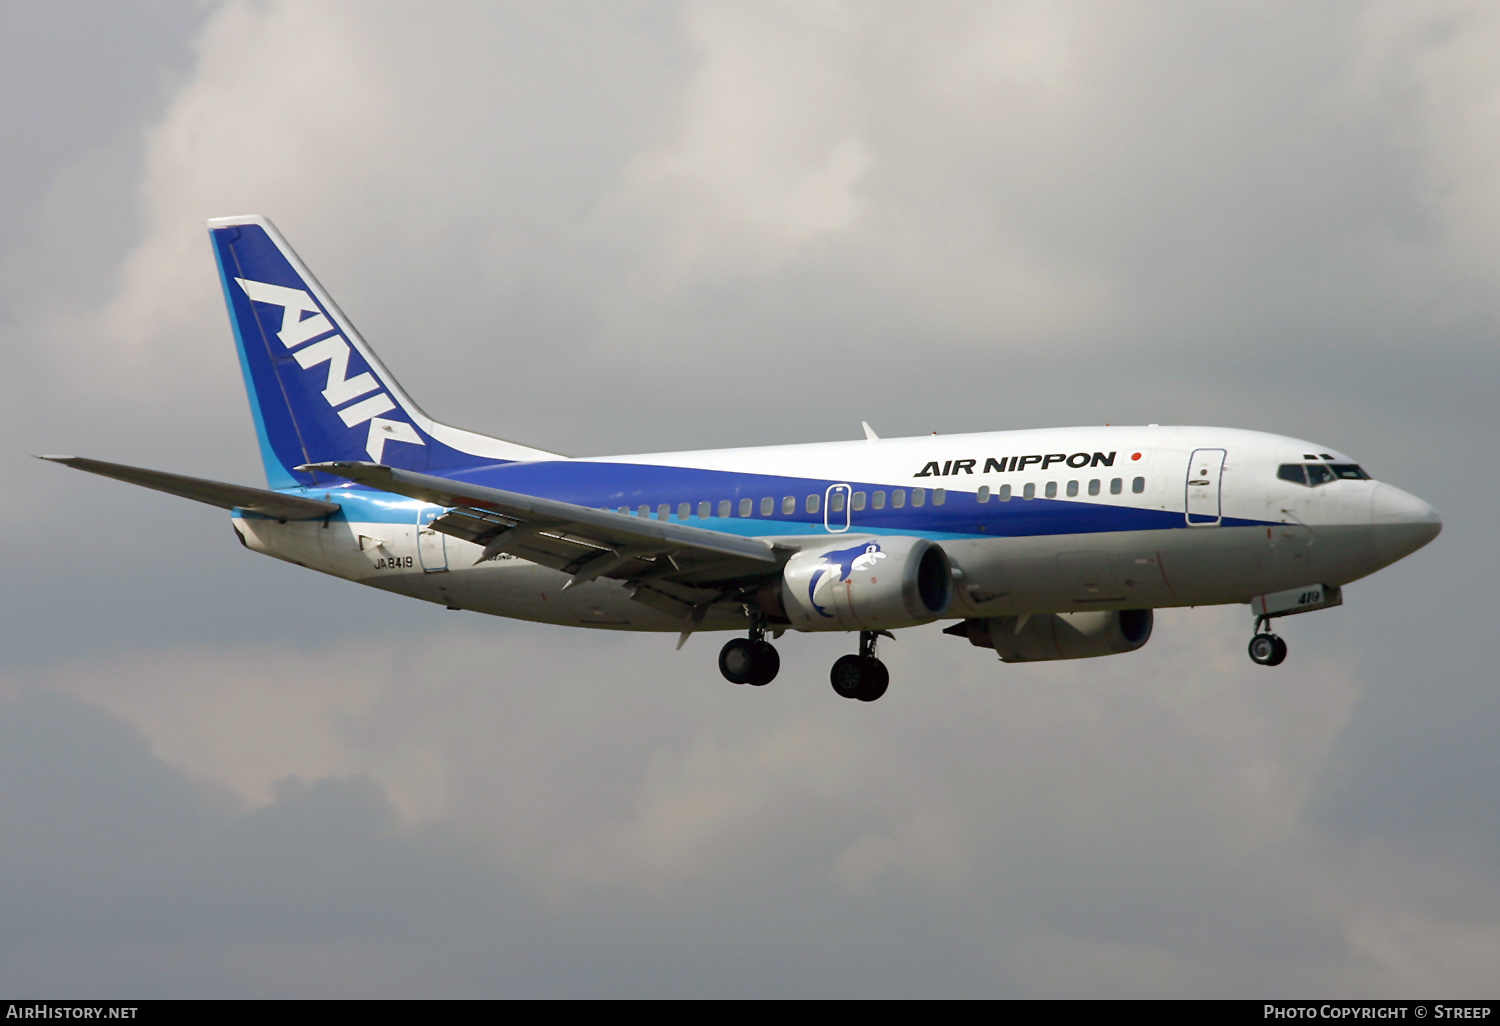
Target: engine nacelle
point(867, 583)
point(1041, 636)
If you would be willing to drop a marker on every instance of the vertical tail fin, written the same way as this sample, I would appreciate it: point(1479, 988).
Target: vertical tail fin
point(317, 391)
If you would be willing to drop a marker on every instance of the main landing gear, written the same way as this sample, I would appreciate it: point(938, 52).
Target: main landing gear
point(862, 676)
point(754, 661)
point(1266, 648)
point(751, 660)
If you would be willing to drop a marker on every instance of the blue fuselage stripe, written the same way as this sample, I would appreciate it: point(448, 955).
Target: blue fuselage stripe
point(612, 485)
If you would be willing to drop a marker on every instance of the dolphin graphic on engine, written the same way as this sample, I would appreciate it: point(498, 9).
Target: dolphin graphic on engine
point(856, 557)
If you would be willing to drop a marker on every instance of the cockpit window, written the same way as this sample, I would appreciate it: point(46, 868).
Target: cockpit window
point(1314, 474)
point(1318, 473)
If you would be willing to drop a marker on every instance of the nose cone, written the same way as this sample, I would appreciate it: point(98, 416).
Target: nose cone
point(1402, 523)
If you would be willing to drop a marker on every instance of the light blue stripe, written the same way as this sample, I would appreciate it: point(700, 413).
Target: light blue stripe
point(277, 476)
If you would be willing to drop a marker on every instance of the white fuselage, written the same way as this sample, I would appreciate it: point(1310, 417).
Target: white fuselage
point(1145, 530)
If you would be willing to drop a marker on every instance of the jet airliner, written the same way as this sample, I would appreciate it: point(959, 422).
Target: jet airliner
point(1036, 544)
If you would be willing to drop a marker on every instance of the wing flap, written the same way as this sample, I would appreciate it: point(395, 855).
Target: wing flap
point(561, 549)
point(214, 493)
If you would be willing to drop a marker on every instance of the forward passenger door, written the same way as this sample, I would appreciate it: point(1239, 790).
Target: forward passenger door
point(1205, 472)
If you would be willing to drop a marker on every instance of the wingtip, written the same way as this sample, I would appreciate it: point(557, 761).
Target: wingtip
point(341, 464)
point(335, 467)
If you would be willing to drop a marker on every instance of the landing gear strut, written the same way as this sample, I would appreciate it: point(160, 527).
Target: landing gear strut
point(751, 660)
point(1266, 648)
point(862, 676)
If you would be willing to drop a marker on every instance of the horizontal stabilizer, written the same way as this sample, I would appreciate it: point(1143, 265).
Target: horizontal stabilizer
point(577, 539)
point(215, 493)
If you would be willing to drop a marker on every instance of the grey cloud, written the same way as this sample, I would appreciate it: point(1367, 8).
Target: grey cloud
point(607, 823)
point(115, 860)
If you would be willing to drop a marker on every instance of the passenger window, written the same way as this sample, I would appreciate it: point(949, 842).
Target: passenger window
point(789, 504)
point(767, 506)
point(1051, 489)
point(1029, 492)
point(983, 495)
point(1094, 486)
point(1349, 471)
point(746, 506)
point(705, 510)
point(898, 498)
point(663, 511)
point(644, 511)
point(939, 496)
point(812, 504)
point(878, 500)
point(723, 507)
point(859, 501)
point(1072, 488)
point(1138, 485)
point(836, 502)
point(1116, 486)
point(919, 496)
point(1292, 472)
point(1005, 493)
point(684, 509)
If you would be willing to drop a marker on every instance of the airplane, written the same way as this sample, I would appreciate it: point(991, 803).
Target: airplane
point(1038, 544)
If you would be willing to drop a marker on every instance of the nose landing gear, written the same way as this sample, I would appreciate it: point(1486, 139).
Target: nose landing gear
point(862, 676)
point(751, 660)
point(1266, 648)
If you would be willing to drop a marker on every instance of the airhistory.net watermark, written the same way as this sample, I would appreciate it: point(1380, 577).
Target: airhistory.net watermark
point(45, 1010)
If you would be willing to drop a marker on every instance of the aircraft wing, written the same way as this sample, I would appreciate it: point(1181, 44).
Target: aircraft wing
point(586, 543)
point(215, 493)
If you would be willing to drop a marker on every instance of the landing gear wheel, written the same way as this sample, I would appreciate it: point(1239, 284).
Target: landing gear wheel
point(737, 661)
point(765, 663)
point(877, 679)
point(743, 661)
point(1267, 649)
point(847, 675)
point(861, 677)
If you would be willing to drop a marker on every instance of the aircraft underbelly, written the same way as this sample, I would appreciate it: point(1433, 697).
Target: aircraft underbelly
point(1149, 569)
point(997, 576)
point(526, 591)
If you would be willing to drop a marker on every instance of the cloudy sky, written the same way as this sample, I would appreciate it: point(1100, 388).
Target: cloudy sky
point(614, 227)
